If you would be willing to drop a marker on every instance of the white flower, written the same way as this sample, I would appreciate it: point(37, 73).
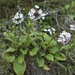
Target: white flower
point(33, 10)
point(18, 18)
point(72, 27)
point(31, 15)
point(43, 16)
point(64, 37)
point(40, 11)
point(36, 13)
point(36, 6)
point(51, 30)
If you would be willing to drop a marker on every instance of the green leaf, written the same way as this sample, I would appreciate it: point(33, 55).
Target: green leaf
point(19, 68)
point(46, 67)
point(47, 38)
point(9, 57)
point(47, 26)
point(20, 58)
point(42, 53)
point(35, 44)
point(10, 49)
point(53, 42)
point(33, 51)
point(53, 50)
point(60, 56)
point(40, 61)
point(50, 57)
point(43, 44)
point(29, 40)
point(22, 39)
point(66, 47)
point(10, 36)
point(24, 51)
point(67, 6)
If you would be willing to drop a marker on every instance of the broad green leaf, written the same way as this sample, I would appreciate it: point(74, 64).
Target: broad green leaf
point(35, 44)
point(66, 47)
point(24, 51)
point(19, 68)
point(42, 53)
point(22, 39)
point(29, 40)
point(10, 49)
point(40, 61)
point(47, 38)
point(67, 6)
point(33, 51)
point(60, 56)
point(50, 57)
point(10, 36)
point(47, 26)
point(20, 58)
point(9, 57)
point(53, 42)
point(53, 50)
point(43, 44)
point(46, 67)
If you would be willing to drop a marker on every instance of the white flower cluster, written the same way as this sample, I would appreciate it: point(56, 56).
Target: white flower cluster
point(72, 27)
point(18, 18)
point(36, 13)
point(64, 37)
point(51, 30)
